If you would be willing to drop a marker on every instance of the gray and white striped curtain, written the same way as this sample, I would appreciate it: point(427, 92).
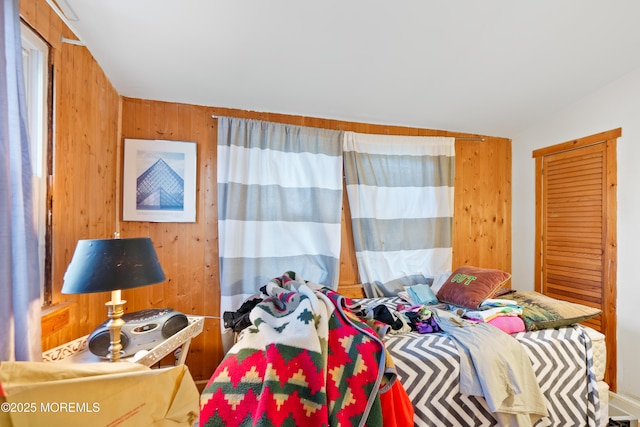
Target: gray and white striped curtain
point(279, 205)
point(400, 191)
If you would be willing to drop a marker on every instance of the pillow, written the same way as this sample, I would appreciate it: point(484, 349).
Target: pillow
point(543, 312)
point(439, 280)
point(392, 287)
point(469, 286)
point(508, 324)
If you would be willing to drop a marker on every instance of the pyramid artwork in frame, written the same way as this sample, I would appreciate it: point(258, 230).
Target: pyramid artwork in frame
point(159, 181)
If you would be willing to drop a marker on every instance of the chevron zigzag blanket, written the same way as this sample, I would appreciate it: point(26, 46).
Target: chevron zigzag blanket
point(304, 361)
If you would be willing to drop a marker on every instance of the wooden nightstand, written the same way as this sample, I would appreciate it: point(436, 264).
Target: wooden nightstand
point(77, 351)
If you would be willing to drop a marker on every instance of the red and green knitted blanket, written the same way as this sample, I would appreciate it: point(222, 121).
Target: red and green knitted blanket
point(304, 361)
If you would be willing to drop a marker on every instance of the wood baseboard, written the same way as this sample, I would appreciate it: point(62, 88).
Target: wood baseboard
point(351, 291)
point(625, 403)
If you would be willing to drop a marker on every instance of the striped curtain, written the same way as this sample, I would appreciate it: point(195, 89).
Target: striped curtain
point(400, 191)
point(279, 205)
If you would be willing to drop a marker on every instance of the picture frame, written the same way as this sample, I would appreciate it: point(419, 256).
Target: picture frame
point(159, 181)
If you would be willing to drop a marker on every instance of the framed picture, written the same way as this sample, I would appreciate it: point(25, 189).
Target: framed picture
point(159, 183)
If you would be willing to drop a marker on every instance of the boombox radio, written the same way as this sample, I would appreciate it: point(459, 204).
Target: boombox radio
point(142, 330)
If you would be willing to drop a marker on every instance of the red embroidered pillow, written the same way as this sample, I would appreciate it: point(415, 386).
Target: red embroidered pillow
point(469, 286)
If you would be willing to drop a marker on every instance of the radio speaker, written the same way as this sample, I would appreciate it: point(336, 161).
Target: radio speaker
point(142, 330)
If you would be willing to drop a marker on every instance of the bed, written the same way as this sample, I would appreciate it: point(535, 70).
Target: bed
point(569, 364)
point(338, 346)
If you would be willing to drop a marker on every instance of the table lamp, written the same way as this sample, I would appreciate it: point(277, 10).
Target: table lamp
point(103, 265)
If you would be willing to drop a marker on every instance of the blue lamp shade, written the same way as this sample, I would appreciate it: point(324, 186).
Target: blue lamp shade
point(112, 264)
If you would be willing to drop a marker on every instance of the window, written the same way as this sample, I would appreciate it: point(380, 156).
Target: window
point(35, 60)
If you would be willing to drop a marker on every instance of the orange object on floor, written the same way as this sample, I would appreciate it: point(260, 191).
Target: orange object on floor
point(397, 410)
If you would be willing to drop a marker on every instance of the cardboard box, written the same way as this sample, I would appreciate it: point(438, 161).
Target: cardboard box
point(37, 394)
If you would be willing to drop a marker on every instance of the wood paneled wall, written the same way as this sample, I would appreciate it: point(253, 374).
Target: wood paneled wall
point(86, 114)
point(91, 123)
point(188, 252)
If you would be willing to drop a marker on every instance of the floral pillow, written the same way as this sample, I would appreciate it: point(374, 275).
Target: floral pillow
point(468, 286)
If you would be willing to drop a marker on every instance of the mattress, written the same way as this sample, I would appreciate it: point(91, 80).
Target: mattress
point(599, 348)
point(427, 366)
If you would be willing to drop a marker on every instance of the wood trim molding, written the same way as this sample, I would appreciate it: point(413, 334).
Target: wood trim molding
point(610, 293)
point(579, 143)
point(537, 280)
point(55, 317)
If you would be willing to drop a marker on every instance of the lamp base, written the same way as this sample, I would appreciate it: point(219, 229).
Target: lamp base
point(115, 310)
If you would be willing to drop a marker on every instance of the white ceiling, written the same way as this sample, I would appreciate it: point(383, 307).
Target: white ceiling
point(491, 67)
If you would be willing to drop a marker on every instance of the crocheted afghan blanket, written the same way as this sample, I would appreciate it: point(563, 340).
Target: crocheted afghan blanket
point(306, 360)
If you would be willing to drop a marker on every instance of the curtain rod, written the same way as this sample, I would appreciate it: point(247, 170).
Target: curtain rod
point(65, 20)
point(468, 138)
point(461, 138)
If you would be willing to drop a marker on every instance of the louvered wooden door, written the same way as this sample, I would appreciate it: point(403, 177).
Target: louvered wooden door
point(572, 248)
point(575, 228)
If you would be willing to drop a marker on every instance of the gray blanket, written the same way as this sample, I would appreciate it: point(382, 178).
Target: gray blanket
point(494, 365)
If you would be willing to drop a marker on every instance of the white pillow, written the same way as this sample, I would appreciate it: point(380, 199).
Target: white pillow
point(439, 280)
